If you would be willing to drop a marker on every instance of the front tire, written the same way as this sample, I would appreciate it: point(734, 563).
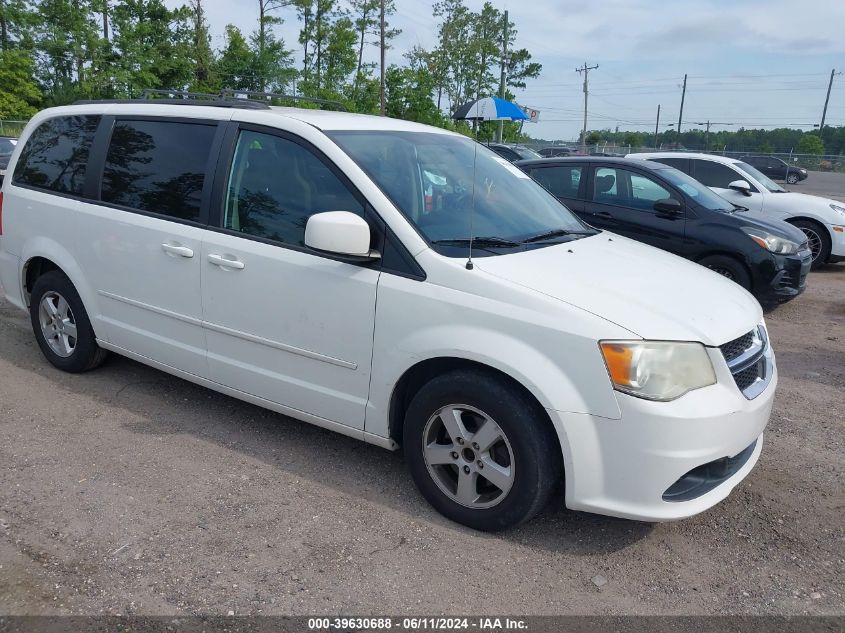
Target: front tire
point(818, 239)
point(792, 179)
point(480, 451)
point(728, 267)
point(61, 325)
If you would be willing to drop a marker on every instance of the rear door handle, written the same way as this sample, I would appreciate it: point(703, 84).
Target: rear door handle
point(224, 262)
point(177, 249)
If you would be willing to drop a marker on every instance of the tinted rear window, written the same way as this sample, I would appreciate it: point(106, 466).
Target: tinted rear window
point(56, 154)
point(158, 166)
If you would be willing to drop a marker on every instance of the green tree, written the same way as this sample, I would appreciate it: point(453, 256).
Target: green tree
point(408, 95)
point(152, 46)
point(203, 56)
point(17, 17)
point(594, 137)
point(811, 144)
point(234, 68)
point(19, 93)
point(367, 17)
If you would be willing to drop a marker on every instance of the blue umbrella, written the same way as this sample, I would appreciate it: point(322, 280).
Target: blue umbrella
point(490, 109)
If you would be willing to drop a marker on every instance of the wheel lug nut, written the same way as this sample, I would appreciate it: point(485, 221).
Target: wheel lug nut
point(475, 445)
point(461, 441)
point(480, 463)
point(466, 469)
point(454, 455)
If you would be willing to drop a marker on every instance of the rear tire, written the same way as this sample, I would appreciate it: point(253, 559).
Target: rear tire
point(728, 267)
point(817, 236)
point(480, 451)
point(61, 325)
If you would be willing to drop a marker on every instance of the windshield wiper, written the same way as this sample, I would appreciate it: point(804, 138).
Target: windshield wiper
point(548, 235)
point(480, 242)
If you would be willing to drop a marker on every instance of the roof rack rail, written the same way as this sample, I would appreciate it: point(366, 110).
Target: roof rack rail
point(228, 98)
point(249, 94)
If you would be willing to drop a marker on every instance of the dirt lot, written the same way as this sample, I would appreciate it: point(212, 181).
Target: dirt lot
point(128, 491)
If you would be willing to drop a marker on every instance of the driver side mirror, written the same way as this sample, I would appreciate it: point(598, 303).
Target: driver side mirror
point(340, 233)
point(668, 206)
point(742, 186)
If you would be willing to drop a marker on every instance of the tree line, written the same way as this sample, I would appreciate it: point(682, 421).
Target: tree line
point(779, 140)
point(54, 52)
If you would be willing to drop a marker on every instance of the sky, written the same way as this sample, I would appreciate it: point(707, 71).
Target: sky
point(750, 63)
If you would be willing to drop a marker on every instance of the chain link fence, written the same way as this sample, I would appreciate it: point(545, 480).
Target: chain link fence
point(810, 162)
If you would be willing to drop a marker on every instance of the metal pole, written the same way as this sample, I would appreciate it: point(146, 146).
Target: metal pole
point(586, 70)
point(381, 82)
point(826, 99)
point(681, 113)
point(503, 79)
point(656, 126)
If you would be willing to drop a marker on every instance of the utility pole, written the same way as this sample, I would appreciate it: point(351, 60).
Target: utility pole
point(656, 126)
point(503, 79)
point(381, 36)
point(707, 125)
point(681, 113)
point(826, 99)
point(586, 70)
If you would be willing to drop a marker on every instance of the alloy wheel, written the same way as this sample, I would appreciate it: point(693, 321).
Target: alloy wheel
point(468, 456)
point(792, 179)
point(814, 241)
point(58, 325)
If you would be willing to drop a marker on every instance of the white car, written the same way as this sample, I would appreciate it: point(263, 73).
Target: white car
point(318, 264)
point(821, 219)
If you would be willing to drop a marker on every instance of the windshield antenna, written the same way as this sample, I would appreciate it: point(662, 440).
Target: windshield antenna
point(472, 205)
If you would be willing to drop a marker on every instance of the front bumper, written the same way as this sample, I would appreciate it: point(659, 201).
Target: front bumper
point(625, 467)
point(837, 242)
point(789, 280)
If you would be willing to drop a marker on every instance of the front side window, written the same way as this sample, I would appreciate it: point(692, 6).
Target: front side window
point(55, 156)
point(276, 184)
point(158, 166)
point(626, 188)
point(757, 175)
point(713, 174)
point(705, 197)
point(561, 180)
point(451, 187)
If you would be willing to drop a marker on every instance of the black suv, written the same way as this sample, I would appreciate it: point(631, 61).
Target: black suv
point(776, 169)
point(661, 206)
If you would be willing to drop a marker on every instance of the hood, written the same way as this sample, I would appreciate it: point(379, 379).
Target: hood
point(651, 293)
point(758, 219)
point(798, 203)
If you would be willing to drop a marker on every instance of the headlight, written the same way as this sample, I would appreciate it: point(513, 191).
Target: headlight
point(657, 370)
point(773, 243)
point(839, 209)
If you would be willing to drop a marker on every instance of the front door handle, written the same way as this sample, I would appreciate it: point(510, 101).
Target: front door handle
point(604, 214)
point(177, 249)
point(225, 262)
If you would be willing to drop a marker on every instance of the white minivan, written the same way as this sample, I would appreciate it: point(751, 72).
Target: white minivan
point(319, 264)
point(821, 219)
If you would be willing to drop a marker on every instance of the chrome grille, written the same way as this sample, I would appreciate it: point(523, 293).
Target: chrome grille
point(736, 347)
point(749, 360)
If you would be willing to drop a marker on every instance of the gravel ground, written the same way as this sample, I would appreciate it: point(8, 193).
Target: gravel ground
point(126, 491)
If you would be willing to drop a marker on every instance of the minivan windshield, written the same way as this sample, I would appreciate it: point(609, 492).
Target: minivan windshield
point(436, 179)
point(760, 177)
point(702, 195)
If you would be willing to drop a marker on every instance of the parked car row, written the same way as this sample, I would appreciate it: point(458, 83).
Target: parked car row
point(661, 206)
point(821, 219)
point(513, 345)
